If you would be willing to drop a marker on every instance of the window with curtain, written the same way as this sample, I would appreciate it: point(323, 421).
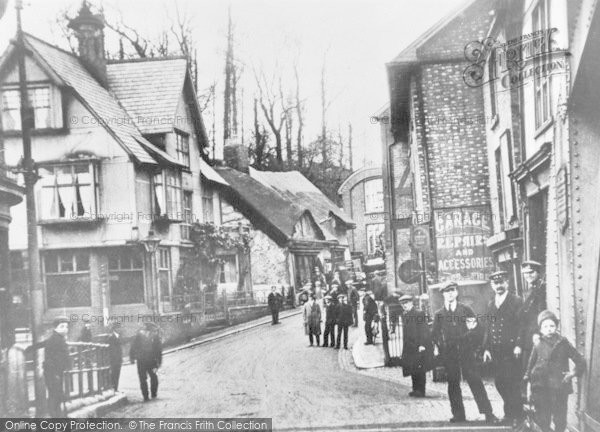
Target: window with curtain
point(164, 272)
point(228, 272)
point(168, 194)
point(67, 191)
point(39, 99)
point(186, 225)
point(208, 211)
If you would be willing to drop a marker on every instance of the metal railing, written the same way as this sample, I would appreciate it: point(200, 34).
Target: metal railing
point(391, 334)
point(87, 374)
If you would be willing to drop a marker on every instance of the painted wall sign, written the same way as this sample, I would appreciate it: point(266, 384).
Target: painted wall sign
point(420, 238)
point(460, 236)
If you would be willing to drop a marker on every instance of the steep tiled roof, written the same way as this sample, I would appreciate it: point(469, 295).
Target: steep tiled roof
point(262, 201)
point(293, 186)
point(149, 90)
point(94, 96)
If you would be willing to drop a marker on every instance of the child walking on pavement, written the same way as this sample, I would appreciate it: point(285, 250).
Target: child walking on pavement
point(549, 375)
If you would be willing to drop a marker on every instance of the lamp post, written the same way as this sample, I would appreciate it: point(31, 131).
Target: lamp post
point(151, 243)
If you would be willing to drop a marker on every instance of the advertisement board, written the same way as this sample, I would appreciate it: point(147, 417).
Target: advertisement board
point(460, 236)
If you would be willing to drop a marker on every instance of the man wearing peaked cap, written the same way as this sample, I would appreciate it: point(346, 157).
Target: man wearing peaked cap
point(330, 308)
point(502, 345)
point(449, 329)
point(343, 320)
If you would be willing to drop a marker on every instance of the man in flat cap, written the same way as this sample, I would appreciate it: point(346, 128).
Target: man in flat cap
point(502, 345)
point(354, 298)
point(534, 304)
point(343, 320)
point(330, 319)
point(56, 362)
point(449, 329)
point(416, 345)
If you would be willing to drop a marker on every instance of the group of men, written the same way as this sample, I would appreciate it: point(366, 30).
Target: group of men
point(461, 342)
point(337, 316)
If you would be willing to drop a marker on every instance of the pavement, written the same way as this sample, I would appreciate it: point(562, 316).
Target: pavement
point(270, 371)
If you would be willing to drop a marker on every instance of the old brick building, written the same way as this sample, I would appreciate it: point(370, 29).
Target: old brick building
point(436, 149)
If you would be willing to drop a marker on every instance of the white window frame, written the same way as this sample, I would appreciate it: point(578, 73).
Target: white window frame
point(67, 194)
point(182, 147)
point(540, 20)
point(374, 197)
point(168, 194)
point(11, 103)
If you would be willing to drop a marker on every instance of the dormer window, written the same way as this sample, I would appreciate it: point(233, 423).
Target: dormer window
point(39, 98)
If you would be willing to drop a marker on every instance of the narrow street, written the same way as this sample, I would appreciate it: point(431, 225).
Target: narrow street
point(271, 372)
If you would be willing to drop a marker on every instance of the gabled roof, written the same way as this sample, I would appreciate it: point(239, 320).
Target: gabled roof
point(65, 69)
point(262, 205)
point(410, 53)
point(149, 90)
point(97, 99)
point(293, 186)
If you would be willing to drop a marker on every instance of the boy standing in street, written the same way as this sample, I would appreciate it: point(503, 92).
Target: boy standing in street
point(549, 375)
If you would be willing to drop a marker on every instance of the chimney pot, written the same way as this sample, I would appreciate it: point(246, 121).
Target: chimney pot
point(235, 155)
point(89, 31)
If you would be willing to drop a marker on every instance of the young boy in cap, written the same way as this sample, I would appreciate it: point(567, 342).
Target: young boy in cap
point(549, 375)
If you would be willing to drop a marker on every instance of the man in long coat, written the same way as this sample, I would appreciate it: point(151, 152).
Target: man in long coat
point(502, 345)
point(274, 301)
point(330, 318)
point(115, 353)
point(343, 320)
point(312, 320)
point(416, 345)
point(56, 362)
point(369, 312)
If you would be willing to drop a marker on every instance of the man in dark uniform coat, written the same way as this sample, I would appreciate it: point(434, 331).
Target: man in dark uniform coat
point(343, 320)
point(274, 300)
point(416, 345)
point(353, 298)
point(115, 352)
point(146, 348)
point(449, 329)
point(533, 305)
point(56, 362)
point(502, 345)
point(369, 312)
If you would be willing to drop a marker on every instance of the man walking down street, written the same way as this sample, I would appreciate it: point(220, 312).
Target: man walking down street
point(503, 347)
point(330, 316)
point(146, 349)
point(449, 328)
point(344, 319)
point(415, 345)
point(274, 300)
point(369, 312)
point(312, 320)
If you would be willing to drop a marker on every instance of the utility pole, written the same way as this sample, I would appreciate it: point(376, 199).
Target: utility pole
point(36, 304)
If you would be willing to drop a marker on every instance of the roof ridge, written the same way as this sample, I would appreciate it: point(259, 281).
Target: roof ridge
point(145, 59)
point(72, 54)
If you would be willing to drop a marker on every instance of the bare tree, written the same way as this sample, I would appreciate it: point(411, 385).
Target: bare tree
point(299, 116)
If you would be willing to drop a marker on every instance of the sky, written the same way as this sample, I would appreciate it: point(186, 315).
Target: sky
point(353, 38)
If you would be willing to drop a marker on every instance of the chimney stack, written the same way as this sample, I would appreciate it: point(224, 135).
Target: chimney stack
point(89, 31)
point(235, 155)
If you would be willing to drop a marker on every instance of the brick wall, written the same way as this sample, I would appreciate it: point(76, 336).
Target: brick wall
point(455, 137)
